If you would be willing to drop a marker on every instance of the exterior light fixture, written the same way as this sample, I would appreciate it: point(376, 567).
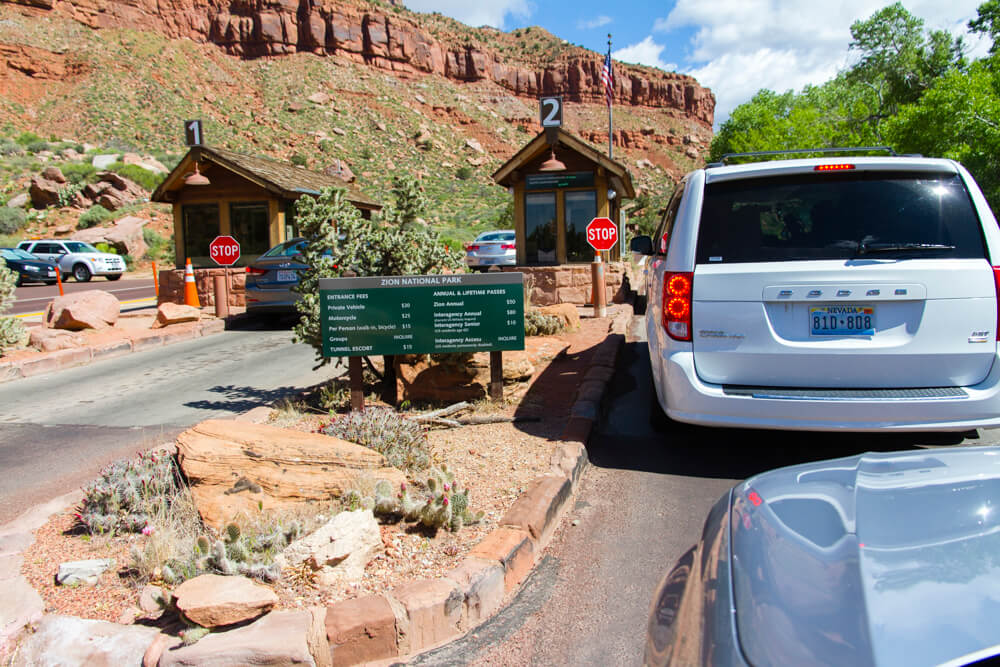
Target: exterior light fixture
point(612, 194)
point(552, 164)
point(196, 177)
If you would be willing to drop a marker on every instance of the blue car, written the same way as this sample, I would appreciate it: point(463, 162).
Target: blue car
point(29, 268)
point(878, 559)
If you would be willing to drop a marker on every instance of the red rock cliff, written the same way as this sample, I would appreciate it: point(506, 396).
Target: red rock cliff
point(253, 28)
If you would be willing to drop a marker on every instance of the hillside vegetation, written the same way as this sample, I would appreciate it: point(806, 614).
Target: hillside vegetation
point(129, 90)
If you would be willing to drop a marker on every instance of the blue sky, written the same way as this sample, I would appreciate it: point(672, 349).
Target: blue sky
point(735, 47)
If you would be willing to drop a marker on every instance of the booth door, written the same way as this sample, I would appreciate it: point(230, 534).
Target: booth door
point(581, 208)
point(540, 228)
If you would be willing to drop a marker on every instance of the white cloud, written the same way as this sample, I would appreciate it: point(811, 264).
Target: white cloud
point(474, 13)
point(595, 22)
point(741, 46)
point(646, 52)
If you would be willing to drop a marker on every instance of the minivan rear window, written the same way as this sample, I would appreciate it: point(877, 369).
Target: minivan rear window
point(883, 215)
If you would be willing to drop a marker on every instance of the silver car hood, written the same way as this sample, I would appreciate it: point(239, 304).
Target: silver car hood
point(887, 559)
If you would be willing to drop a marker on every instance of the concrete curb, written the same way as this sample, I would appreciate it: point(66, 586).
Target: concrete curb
point(423, 614)
point(48, 362)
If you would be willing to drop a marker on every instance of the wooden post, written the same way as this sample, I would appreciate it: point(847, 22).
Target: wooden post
point(390, 388)
point(357, 383)
point(496, 375)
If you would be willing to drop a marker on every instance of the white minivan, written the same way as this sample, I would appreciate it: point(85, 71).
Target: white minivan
point(854, 293)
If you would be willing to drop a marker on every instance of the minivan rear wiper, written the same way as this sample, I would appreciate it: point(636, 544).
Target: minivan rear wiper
point(870, 248)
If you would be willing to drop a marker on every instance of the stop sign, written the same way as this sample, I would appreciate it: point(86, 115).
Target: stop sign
point(225, 250)
point(602, 234)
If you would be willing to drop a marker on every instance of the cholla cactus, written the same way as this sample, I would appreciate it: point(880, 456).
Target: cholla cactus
point(13, 333)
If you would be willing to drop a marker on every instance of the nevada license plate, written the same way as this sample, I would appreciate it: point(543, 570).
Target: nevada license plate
point(842, 320)
point(286, 276)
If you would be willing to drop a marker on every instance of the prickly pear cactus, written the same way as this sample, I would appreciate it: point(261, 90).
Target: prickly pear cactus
point(442, 506)
point(129, 493)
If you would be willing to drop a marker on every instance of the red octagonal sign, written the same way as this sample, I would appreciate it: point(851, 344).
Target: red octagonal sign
point(602, 234)
point(225, 250)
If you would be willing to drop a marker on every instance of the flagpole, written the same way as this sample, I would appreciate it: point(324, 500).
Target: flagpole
point(611, 74)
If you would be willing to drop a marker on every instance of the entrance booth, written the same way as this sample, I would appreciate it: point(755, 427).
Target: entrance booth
point(220, 192)
point(558, 188)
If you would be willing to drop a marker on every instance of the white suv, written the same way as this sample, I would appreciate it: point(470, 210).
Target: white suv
point(80, 259)
point(853, 294)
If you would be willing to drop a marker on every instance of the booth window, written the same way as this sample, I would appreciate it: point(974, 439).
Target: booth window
point(201, 226)
point(291, 228)
point(581, 208)
point(540, 228)
point(249, 224)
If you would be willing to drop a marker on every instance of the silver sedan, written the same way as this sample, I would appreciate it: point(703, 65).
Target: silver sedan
point(495, 248)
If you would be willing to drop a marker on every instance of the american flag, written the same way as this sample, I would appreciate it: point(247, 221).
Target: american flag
point(608, 78)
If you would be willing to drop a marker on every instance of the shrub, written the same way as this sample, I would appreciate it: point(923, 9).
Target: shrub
point(26, 138)
point(37, 146)
point(13, 333)
point(67, 194)
point(93, 216)
point(327, 146)
point(8, 147)
point(159, 247)
point(298, 159)
point(78, 173)
point(133, 172)
point(12, 220)
point(104, 247)
point(464, 173)
point(401, 441)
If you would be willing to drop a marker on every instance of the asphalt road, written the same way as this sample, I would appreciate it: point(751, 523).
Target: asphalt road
point(640, 507)
point(33, 298)
point(58, 430)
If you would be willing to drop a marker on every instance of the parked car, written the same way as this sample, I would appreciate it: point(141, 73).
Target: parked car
point(270, 278)
point(29, 268)
point(76, 258)
point(877, 559)
point(492, 249)
point(826, 293)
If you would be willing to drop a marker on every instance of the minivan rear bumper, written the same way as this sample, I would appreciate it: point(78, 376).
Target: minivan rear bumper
point(688, 399)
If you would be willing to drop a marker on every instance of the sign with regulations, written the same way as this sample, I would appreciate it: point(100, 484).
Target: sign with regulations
point(422, 314)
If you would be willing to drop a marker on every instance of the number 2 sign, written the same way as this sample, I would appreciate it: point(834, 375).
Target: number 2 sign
point(551, 111)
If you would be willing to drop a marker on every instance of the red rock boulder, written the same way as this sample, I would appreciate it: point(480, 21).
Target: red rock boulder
point(93, 309)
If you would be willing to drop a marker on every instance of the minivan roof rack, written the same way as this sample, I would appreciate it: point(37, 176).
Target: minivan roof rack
point(800, 151)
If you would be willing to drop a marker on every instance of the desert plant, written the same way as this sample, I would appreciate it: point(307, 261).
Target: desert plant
point(8, 147)
point(537, 323)
point(12, 331)
point(158, 246)
point(442, 505)
point(401, 441)
point(93, 216)
point(133, 172)
point(128, 494)
point(26, 138)
point(78, 173)
point(37, 146)
point(298, 159)
point(12, 220)
point(67, 194)
point(464, 173)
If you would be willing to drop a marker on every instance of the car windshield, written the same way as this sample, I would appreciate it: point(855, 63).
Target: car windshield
point(883, 215)
point(15, 253)
point(79, 246)
point(286, 249)
point(495, 236)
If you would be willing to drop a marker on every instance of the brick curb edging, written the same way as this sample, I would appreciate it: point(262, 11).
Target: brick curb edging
point(81, 356)
point(418, 615)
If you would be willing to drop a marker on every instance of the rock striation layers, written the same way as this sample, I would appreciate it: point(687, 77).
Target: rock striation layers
point(393, 42)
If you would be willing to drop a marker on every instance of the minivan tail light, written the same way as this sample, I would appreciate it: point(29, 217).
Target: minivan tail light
point(996, 282)
point(677, 304)
point(255, 271)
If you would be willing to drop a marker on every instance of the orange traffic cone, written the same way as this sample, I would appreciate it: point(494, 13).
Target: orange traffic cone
point(190, 290)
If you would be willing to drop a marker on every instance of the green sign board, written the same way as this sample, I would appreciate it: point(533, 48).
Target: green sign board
point(422, 314)
point(572, 179)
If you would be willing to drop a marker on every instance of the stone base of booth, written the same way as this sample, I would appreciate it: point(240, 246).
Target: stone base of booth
point(570, 283)
point(172, 285)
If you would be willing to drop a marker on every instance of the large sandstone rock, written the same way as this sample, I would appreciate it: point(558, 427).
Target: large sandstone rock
point(93, 309)
point(235, 467)
point(113, 191)
point(50, 340)
point(214, 600)
point(566, 312)
point(54, 174)
point(66, 640)
point(280, 639)
point(44, 193)
point(421, 379)
point(147, 162)
point(168, 313)
point(340, 549)
point(18, 201)
point(125, 236)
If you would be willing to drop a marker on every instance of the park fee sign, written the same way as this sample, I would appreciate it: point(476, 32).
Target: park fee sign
point(386, 315)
